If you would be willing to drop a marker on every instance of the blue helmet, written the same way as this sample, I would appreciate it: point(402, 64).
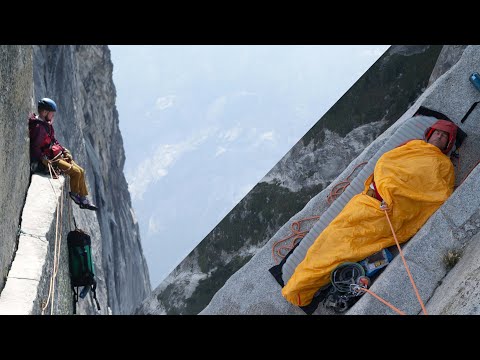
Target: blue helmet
point(47, 104)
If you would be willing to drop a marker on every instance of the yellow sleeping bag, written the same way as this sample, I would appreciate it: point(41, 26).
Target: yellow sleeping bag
point(414, 180)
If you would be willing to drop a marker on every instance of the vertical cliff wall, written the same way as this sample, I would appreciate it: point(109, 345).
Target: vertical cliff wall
point(79, 79)
point(16, 90)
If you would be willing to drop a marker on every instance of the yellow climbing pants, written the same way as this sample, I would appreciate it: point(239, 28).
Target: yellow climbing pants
point(74, 172)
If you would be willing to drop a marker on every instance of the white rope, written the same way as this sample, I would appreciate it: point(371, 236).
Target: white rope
point(57, 248)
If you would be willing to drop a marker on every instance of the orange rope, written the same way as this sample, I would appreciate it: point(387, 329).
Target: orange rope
point(296, 234)
point(336, 191)
point(384, 207)
point(383, 301)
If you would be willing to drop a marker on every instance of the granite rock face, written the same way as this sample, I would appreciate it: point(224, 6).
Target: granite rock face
point(448, 57)
point(79, 79)
point(16, 92)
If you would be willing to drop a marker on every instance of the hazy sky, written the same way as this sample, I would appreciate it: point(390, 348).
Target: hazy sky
point(201, 125)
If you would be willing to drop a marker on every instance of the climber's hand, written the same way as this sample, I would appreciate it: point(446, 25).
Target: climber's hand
point(67, 156)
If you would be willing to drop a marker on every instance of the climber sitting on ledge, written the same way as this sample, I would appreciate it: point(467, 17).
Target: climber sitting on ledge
point(45, 150)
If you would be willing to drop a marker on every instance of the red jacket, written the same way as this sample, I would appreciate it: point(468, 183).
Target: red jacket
point(42, 138)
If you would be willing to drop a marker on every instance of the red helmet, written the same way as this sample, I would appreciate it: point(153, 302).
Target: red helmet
point(447, 126)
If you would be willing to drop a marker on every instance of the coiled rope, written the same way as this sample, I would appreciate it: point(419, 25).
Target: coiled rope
point(280, 248)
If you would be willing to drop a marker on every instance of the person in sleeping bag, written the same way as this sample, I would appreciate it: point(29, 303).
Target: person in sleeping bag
point(413, 179)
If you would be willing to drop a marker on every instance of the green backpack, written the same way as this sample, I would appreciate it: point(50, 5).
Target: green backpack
point(81, 265)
